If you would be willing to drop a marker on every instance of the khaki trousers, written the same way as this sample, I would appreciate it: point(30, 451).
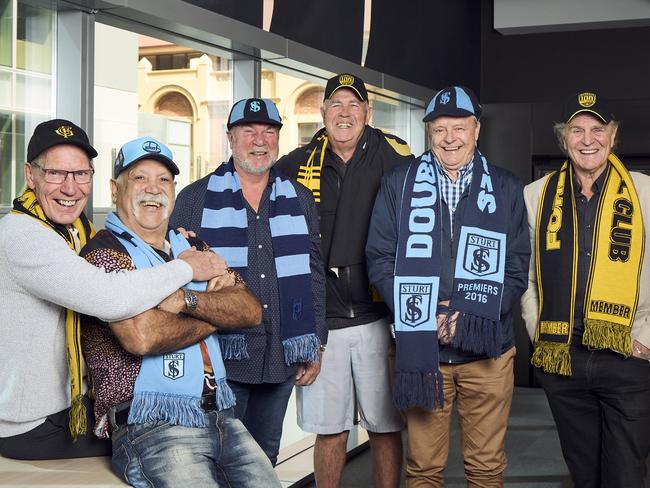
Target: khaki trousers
point(482, 391)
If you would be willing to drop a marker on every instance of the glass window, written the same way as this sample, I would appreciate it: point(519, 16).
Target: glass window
point(299, 99)
point(149, 96)
point(26, 84)
point(6, 32)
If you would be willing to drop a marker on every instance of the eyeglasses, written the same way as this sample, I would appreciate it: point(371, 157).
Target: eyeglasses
point(58, 176)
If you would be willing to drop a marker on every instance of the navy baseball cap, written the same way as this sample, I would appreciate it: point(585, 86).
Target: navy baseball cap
point(254, 111)
point(586, 102)
point(346, 80)
point(453, 101)
point(58, 131)
point(144, 148)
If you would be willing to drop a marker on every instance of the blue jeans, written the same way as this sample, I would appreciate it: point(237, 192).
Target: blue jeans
point(223, 454)
point(261, 408)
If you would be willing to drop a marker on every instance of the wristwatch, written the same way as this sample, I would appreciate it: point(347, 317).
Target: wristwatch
point(191, 300)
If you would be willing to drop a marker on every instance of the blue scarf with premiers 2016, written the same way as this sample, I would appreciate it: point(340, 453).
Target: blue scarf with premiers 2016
point(169, 386)
point(224, 226)
point(478, 278)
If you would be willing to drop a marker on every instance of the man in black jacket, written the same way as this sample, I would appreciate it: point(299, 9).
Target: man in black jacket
point(342, 166)
point(448, 250)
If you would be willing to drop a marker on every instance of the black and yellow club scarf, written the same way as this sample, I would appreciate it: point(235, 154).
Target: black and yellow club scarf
point(612, 291)
point(28, 204)
point(309, 174)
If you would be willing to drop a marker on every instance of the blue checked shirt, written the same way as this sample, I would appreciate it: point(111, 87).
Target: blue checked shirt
point(451, 191)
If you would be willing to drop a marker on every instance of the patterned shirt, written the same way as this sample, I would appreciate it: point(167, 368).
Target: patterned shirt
point(451, 191)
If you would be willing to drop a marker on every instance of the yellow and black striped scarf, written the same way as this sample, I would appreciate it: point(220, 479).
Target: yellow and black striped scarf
point(309, 173)
point(28, 204)
point(612, 291)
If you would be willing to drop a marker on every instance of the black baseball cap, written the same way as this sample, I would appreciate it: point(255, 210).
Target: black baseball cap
point(144, 148)
point(453, 101)
point(58, 131)
point(587, 102)
point(346, 80)
point(254, 111)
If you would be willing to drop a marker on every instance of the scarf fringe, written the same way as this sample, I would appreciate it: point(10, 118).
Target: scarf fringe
point(301, 349)
point(418, 389)
point(233, 347)
point(479, 335)
point(78, 418)
point(175, 409)
point(225, 396)
point(552, 357)
point(603, 334)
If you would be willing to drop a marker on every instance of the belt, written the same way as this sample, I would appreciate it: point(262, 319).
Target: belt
point(208, 404)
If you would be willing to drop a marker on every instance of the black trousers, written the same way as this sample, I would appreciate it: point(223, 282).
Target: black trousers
point(602, 413)
point(52, 440)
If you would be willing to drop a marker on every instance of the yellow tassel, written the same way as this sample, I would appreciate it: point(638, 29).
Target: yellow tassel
point(78, 420)
point(552, 357)
point(602, 334)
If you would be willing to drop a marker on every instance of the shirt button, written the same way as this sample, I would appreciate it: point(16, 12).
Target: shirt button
point(259, 246)
point(262, 275)
point(266, 305)
point(257, 217)
point(589, 254)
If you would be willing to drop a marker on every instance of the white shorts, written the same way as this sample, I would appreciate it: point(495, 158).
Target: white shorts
point(355, 366)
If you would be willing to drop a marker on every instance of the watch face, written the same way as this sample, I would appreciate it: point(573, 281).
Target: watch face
point(191, 299)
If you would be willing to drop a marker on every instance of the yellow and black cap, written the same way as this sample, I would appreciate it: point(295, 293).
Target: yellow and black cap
point(587, 102)
point(346, 80)
point(58, 131)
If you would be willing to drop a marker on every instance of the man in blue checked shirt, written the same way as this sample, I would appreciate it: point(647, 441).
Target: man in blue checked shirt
point(448, 250)
point(265, 226)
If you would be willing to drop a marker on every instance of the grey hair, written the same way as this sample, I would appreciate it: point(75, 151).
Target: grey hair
point(41, 158)
point(560, 128)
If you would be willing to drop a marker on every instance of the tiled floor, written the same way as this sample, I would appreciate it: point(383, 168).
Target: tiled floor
point(533, 449)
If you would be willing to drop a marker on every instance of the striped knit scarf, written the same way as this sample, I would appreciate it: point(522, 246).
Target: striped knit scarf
point(309, 174)
point(478, 278)
point(27, 204)
point(224, 227)
point(612, 291)
point(169, 386)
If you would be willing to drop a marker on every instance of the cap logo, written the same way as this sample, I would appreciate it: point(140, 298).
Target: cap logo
point(346, 80)
point(587, 99)
point(65, 131)
point(254, 106)
point(151, 147)
point(445, 97)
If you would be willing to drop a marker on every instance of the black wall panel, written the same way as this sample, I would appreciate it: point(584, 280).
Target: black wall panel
point(434, 43)
point(249, 11)
point(333, 26)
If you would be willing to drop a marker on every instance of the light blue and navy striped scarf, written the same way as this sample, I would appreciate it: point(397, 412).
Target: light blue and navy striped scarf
point(224, 226)
point(479, 272)
point(169, 386)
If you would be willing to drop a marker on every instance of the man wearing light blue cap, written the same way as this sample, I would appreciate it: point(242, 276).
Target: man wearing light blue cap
point(162, 394)
point(265, 226)
point(448, 250)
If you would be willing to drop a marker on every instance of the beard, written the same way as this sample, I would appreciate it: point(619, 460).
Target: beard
point(249, 168)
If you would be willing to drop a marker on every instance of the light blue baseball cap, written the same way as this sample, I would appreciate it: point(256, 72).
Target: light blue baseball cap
point(144, 148)
point(453, 101)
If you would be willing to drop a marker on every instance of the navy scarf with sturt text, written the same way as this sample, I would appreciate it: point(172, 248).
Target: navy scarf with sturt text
point(479, 271)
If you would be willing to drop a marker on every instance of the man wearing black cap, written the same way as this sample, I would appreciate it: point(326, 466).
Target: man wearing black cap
point(586, 308)
point(265, 226)
point(163, 399)
point(44, 284)
point(448, 250)
point(342, 166)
